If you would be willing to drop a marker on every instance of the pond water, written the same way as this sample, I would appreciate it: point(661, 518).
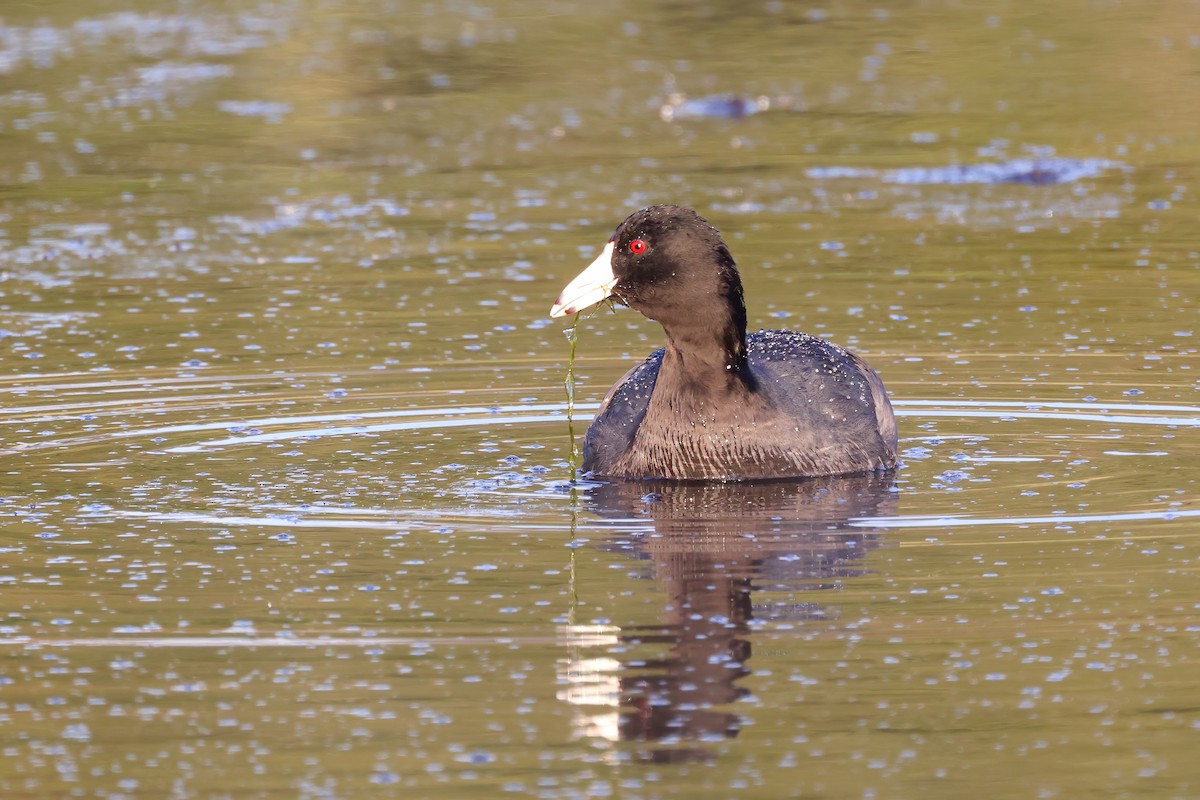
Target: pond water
point(286, 485)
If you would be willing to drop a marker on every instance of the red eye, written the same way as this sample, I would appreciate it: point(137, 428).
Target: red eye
point(637, 247)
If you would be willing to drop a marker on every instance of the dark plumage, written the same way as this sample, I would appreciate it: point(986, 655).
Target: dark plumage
point(715, 404)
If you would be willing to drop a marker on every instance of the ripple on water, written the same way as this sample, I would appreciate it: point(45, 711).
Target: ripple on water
point(985, 463)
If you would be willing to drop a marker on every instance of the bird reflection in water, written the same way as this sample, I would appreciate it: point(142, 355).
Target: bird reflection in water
point(712, 547)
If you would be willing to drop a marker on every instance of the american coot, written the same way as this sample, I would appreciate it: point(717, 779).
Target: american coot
point(715, 404)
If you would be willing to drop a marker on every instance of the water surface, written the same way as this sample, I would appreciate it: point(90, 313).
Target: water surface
point(286, 495)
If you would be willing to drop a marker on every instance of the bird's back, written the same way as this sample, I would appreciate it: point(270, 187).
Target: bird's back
point(813, 408)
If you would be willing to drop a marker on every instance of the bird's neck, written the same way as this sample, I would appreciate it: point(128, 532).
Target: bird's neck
point(706, 342)
point(708, 348)
point(704, 358)
point(711, 339)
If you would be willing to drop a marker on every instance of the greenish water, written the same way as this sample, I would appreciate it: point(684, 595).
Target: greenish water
point(285, 493)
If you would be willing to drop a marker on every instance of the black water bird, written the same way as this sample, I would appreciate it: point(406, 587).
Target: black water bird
point(716, 404)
